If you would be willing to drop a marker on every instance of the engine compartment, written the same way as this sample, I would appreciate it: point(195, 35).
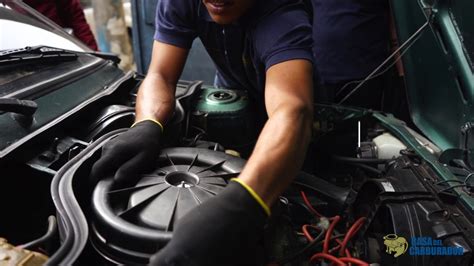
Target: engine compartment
point(361, 187)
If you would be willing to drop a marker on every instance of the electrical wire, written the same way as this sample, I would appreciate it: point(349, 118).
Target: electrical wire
point(455, 186)
point(350, 233)
point(409, 42)
point(308, 236)
point(466, 179)
point(308, 204)
point(354, 260)
point(306, 232)
point(304, 250)
point(324, 256)
point(329, 233)
point(379, 74)
point(331, 239)
point(463, 183)
point(326, 253)
point(448, 181)
point(339, 242)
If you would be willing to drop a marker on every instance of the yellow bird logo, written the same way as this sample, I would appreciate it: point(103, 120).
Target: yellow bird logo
point(395, 244)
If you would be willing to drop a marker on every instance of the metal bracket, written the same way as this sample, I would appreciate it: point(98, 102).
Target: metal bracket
point(430, 7)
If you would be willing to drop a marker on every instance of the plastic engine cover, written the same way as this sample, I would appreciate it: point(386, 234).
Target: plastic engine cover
point(403, 205)
point(132, 223)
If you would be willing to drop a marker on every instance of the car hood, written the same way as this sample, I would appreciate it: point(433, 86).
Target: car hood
point(439, 68)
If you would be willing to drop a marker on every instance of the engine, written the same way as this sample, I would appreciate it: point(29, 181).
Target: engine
point(362, 197)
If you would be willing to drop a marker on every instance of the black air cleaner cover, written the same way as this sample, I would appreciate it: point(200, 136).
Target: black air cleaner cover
point(170, 193)
point(131, 223)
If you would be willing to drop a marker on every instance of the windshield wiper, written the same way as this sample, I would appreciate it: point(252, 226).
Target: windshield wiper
point(107, 56)
point(24, 107)
point(45, 53)
point(35, 53)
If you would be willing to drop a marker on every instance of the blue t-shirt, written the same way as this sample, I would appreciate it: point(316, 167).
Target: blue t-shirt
point(271, 32)
point(350, 38)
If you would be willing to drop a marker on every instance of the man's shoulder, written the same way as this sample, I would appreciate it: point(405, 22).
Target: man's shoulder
point(175, 22)
point(282, 31)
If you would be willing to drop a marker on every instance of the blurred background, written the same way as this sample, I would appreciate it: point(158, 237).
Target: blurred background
point(126, 28)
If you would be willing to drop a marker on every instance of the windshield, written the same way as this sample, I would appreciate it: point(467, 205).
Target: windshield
point(21, 26)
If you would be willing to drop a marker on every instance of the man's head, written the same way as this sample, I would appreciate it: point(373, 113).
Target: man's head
point(227, 11)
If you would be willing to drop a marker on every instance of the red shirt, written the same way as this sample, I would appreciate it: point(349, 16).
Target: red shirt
point(67, 14)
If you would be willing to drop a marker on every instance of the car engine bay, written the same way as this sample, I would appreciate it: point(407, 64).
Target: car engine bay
point(361, 188)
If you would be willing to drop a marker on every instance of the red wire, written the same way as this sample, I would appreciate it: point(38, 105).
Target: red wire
point(308, 204)
point(335, 248)
point(348, 254)
point(342, 244)
point(354, 260)
point(323, 256)
point(350, 233)
point(306, 232)
point(327, 238)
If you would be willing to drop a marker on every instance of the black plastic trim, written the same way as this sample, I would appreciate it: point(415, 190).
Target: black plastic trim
point(72, 221)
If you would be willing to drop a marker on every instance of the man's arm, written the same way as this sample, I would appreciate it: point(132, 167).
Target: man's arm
point(277, 157)
point(281, 146)
point(242, 207)
point(156, 96)
point(134, 151)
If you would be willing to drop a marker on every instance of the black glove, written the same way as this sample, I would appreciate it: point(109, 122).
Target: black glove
point(224, 230)
point(130, 153)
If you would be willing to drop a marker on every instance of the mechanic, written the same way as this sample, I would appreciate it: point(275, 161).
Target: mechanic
point(351, 38)
point(67, 14)
point(262, 46)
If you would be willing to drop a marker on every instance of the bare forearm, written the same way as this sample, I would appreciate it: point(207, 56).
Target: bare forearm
point(279, 152)
point(155, 99)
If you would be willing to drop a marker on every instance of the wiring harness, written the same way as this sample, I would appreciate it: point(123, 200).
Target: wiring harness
point(327, 245)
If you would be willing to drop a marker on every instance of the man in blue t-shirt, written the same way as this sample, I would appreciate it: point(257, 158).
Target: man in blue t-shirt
point(262, 46)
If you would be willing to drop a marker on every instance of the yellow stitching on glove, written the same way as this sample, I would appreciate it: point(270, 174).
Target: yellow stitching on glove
point(254, 195)
point(152, 120)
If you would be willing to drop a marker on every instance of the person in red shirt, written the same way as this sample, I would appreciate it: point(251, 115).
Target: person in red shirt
point(67, 14)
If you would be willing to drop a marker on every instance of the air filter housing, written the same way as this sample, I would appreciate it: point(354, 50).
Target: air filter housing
point(132, 223)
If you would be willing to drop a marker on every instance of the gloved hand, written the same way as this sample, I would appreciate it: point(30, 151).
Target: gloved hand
point(130, 153)
point(224, 230)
